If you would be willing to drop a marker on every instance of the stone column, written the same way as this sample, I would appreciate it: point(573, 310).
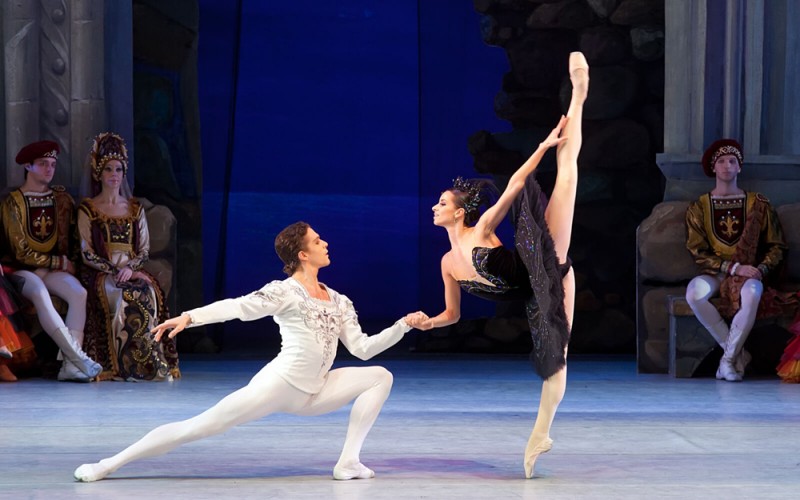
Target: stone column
point(54, 84)
point(87, 104)
point(21, 81)
point(54, 79)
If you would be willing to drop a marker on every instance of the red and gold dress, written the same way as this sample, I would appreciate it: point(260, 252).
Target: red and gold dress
point(120, 316)
point(12, 332)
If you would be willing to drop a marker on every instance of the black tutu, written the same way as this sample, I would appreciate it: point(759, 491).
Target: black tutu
point(544, 307)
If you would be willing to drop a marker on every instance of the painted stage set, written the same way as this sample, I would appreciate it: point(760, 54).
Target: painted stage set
point(455, 426)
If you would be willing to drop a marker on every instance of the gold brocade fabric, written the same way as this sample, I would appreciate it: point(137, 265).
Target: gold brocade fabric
point(121, 315)
point(38, 228)
point(744, 229)
point(715, 226)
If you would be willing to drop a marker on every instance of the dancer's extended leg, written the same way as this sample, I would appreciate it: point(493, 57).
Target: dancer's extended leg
point(561, 208)
point(369, 386)
point(559, 215)
point(267, 393)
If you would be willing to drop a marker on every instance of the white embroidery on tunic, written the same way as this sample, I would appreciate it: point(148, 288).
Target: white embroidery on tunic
point(325, 320)
point(350, 312)
point(271, 295)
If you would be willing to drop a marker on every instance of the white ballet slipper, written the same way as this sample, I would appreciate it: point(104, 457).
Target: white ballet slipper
point(88, 473)
point(359, 471)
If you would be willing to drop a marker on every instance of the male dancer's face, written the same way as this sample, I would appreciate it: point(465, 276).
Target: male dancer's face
point(42, 170)
point(727, 168)
point(316, 249)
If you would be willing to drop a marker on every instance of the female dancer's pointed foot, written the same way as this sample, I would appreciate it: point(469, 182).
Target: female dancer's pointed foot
point(6, 375)
point(532, 452)
point(357, 471)
point(88, 473)
point(579, 74)
point(5, 353)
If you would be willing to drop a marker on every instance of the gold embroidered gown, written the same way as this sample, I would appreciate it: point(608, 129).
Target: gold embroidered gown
point(120, 316)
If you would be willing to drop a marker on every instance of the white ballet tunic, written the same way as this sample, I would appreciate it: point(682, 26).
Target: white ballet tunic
point(310, 329)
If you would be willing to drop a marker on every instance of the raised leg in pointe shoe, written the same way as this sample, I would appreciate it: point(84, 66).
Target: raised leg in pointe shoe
point(558, 216)
point(542, 239)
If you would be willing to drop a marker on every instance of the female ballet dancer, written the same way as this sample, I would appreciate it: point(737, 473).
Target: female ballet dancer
point(312, 319)
point(536, 268)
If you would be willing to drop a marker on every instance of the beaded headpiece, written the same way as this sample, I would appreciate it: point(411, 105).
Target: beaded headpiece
point(719, 148)
point(108, 146)
point(472, 200)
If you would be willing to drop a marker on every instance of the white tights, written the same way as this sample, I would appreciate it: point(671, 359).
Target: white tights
point(268, 393)
point(703, 287)
point(37, 288)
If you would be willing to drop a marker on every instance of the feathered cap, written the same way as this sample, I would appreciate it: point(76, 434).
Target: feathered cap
point(108, 146)
point(719, 148)
point(40, 149)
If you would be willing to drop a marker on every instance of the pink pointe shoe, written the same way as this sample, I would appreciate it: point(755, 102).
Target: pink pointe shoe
point(533, 452)
point(579, 73)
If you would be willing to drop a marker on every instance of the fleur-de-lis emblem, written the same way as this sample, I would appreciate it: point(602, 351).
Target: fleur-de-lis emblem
point(43, 224)
point(729, 222)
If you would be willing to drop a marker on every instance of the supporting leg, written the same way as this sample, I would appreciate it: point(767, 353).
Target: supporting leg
point(370, 386)
point(553, 390)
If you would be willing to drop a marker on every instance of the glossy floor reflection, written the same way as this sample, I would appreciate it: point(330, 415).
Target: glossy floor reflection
point(454, 427)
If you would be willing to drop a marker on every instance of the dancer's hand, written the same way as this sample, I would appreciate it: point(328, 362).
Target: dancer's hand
point(124, 274)
point(553, 139)
point(415, 319)
point(177, 325)
point(70, 266)
point(748, 272)
point(426, 324)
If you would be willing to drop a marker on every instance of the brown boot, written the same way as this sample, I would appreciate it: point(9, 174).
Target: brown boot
point(6, 375)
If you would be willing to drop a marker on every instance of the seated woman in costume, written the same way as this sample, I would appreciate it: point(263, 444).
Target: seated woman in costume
point(124, 301)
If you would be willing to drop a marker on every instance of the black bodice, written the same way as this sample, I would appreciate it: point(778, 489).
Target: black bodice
point(504, 269)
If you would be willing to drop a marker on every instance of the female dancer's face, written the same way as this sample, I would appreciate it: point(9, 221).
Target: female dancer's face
point(112, 175)
point(445, 212)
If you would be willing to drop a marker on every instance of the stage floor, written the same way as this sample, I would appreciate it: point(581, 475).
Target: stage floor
point(454, 426)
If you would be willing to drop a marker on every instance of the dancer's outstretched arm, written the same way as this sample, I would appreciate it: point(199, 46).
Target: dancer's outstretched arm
point(452, 300)
point(495, 214)
point(268, 301)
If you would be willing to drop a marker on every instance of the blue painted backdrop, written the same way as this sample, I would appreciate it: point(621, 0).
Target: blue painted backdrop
point(350, 115)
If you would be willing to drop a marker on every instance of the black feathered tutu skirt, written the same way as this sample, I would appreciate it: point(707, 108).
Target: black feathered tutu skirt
point(544, 307)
